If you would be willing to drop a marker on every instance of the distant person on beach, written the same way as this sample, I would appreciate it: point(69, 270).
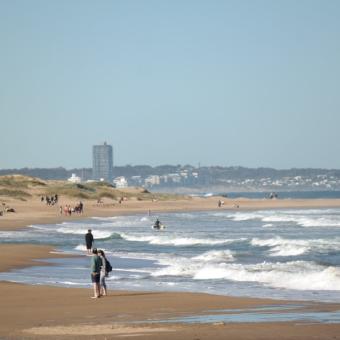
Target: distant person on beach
point(96, 264)
point(103, 273)
point(89, 241)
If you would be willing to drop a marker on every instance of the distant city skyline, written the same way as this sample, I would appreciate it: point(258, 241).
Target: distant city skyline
point(251, 83)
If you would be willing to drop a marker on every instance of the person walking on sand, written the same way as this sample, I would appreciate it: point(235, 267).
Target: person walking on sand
point(96, 264)
point(103, 273)
point(89, 241)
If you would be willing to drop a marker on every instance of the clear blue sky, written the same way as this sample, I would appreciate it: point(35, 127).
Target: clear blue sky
point(251, 83)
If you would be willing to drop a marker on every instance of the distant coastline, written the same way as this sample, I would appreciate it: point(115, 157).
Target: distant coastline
point(190, 179)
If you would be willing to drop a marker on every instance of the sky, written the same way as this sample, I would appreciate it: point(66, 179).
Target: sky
point(250, 83)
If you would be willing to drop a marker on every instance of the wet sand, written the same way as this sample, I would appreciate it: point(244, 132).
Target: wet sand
point(25, 255)
point(40, 312)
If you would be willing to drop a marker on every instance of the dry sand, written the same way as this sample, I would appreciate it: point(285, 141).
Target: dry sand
point(40, 312)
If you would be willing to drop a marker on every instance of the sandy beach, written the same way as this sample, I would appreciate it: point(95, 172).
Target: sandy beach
point(42, 312)
point(32, 312)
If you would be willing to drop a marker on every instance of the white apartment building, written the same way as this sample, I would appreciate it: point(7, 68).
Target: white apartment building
point(120, 182)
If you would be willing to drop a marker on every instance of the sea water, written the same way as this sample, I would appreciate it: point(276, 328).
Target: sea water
point(282, 254)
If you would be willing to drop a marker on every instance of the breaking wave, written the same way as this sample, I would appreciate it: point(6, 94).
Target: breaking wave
point(174, 241)
point(289, 247)
point(297, 275)
point(304, 218)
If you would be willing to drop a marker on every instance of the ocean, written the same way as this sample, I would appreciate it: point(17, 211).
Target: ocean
point(329, 194)
point(280, 254)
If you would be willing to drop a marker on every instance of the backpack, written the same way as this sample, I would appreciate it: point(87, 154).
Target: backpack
point(108, 266)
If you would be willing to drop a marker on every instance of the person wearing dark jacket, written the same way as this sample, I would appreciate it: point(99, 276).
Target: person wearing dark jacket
point(89, 241)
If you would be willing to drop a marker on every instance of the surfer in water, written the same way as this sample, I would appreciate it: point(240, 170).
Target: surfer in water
point(157, 224)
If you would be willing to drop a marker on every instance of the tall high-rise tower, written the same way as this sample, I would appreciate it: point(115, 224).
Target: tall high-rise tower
point(102, 162)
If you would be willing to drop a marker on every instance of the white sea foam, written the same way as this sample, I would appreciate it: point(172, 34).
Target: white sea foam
point(80, 247)
point(13, 234)
point(283, 247)
point(304, 218)
point(39, 227)
point(268, 225)
point(245, 216)
point(319, 222)
point(305, 221)
point(69, 283)
point(173, 240)
point(75, 231)
point(297, 275)
point(111, 218)
point(120, 221)
point(177, 266)
point(97, 234)
point(141, 271)
point(215, 256)
point(140, 255)
point(294, 247)
point(188, 267)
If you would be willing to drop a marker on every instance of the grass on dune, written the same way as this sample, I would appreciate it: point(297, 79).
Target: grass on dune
point(21, 187)
point(18, 194)
point(19, 181)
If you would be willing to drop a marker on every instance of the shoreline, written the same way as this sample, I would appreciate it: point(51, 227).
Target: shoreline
point(34, 212)
point(69, 312)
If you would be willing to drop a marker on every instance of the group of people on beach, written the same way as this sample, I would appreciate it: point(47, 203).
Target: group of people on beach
point(69, 210)
point(100, 267)
point(50, 200)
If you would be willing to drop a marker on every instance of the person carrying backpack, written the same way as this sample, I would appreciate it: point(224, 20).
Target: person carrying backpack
point(104, 270)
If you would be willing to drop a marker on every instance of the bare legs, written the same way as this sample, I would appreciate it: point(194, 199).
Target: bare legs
point(103, 284)
point(96, 290)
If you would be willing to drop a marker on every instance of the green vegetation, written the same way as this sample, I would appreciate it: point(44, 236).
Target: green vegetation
point(18, 194)
point(19, 181)
point(99, 190)
point(70, 189)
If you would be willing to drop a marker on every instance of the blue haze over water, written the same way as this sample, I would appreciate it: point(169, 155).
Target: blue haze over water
point(285, 194)
point(283, 253)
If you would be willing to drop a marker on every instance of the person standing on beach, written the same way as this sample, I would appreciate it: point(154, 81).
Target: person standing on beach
point(96, 264)
point(89, 241)
point(103, 273)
